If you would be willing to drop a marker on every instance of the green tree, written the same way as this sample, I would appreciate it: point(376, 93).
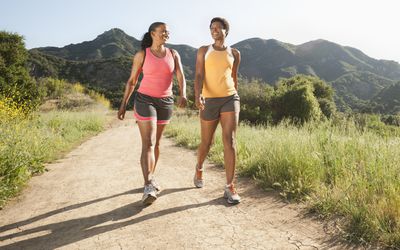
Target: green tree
point(321, 90)
point(254, 101)
point(15, 82)
point(296, 102)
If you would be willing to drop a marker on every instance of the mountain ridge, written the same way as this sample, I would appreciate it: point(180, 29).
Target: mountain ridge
point(265, 59)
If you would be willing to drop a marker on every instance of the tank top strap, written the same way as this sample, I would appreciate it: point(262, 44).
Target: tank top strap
point(229, 51)
point(209, 50)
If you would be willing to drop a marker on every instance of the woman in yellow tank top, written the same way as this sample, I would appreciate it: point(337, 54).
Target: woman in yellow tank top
point(217, 99)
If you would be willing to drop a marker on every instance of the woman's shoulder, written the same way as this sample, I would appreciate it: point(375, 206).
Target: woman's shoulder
point(203, 49)
point(174, 52)
point(234, 50)
point(140, 53)
point(139, 56)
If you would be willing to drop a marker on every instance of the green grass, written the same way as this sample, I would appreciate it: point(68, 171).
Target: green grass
point(27, 143)
point(337, 169)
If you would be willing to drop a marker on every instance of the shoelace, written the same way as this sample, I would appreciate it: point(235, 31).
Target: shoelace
point(148, 188)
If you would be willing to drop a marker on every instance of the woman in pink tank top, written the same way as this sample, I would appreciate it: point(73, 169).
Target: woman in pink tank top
point(153, 102)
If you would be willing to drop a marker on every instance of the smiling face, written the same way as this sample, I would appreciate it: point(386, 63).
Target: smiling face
point(217, 31)
point(160, 34)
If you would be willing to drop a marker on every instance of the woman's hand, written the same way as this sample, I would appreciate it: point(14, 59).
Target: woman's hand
point(199, 101)
point(121, 112)
point(182, 101)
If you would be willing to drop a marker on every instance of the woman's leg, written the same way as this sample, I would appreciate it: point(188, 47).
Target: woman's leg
point(229, 122)
point(164, 107)
point(147, 159)
point(159, 133)
point(207, 138)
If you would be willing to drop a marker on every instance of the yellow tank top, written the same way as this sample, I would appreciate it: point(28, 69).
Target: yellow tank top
point(218, 81)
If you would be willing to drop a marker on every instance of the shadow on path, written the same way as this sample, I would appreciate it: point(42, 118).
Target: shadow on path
point(74, 230)
point(64, 209)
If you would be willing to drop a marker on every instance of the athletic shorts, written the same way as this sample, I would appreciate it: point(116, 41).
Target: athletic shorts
point(148, 108)
point(213, 107)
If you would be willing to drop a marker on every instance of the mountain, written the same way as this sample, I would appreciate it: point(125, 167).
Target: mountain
point(387, 101)
point(266, 59)
point(356, 77)
point(104, 63)
point(112, 43)
point(271, 59)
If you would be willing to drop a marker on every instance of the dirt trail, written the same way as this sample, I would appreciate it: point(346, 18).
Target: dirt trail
point(91, 200)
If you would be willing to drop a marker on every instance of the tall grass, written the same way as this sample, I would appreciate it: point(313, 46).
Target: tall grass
point(27, 142)
point(336, 168)
point(97, 97)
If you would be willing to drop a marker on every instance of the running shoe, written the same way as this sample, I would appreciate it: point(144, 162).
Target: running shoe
point(155, 184)
point(149, 194)
point(231, 195)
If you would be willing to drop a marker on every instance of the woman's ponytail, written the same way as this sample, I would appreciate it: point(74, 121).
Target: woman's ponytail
point(147, 41)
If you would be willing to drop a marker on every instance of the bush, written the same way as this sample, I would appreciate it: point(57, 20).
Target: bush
point(15, 82)
point(254, 101)
point(297, 104)
point(301, 99)
point(391, 120)
point(54, 88)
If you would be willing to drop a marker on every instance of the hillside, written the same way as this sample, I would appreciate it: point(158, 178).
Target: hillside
point(110, 44)
point(387, 100)
point(104, 64)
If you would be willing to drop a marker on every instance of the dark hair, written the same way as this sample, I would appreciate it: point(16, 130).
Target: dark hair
point(147, 41)
point(224, 23)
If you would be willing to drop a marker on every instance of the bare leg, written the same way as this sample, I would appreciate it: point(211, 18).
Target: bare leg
point(147, 159)
point(160, 130)
point(207, 138)
point(229, 122)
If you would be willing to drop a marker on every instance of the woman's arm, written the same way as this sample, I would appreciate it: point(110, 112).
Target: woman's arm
point(199, 77)
point(181, 80)
point(235, 67)
point(131, 83)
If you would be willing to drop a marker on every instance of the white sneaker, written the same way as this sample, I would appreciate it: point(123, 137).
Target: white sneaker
point(231, 195)
point(155, 184)
point(149, 194)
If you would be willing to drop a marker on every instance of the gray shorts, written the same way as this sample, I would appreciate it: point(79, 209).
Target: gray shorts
point(213, 107)
point(148, 108)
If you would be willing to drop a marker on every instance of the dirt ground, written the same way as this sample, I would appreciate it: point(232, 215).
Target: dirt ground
point(91, 200)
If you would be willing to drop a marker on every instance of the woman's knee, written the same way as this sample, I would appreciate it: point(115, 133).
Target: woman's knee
point(148, 144)
point(229, 140)
point(207, 143)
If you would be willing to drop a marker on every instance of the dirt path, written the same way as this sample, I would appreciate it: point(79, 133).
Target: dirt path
point(91, 200)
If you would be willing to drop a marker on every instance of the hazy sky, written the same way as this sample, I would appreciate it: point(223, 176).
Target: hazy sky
point(369, 25)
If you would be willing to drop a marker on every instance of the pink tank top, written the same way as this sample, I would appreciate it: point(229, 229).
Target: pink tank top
point(157, 75)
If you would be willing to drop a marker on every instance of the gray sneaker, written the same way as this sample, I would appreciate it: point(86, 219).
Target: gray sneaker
point(199, 183)
point(149, 194)
point(231, 195)
point(155, 184)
